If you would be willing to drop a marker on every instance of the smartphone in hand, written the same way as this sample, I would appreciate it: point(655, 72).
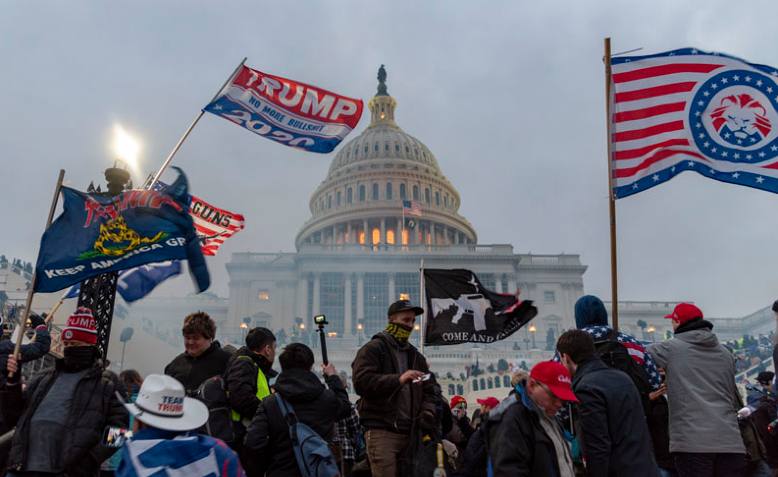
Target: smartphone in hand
point(115, 437)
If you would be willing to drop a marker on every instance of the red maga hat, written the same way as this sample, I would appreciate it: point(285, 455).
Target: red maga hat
point(556, 377)
point(685, 312)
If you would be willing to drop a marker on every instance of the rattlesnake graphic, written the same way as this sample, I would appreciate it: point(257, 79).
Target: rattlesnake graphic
point(116, 238)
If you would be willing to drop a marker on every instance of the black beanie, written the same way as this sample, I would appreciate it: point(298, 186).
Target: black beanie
point(775, 306)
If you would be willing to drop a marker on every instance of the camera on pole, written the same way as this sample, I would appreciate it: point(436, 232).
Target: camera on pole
point(320, 321)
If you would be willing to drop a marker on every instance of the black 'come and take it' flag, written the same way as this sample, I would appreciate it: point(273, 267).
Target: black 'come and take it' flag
point(460, 310)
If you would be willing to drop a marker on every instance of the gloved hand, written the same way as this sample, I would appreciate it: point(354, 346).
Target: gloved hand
point(36, 320)
point(427, 421)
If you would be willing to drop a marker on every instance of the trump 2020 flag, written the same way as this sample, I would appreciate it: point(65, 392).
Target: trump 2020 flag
point(461, 310)
point(97, 234)
point(287, 111)
point(691, 110)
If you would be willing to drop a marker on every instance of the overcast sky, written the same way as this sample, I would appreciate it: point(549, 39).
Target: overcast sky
point(507, 94)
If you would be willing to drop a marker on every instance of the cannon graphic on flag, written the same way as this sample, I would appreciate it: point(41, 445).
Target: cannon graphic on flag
point(475, 305)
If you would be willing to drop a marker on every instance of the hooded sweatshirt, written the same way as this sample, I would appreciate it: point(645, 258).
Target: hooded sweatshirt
point(701, 391)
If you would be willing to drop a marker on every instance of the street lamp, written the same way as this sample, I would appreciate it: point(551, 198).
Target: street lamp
point(124, 338)
point(244, 329)
point(533, 329)
point(651, 330)
point(360, 330)
point(417, 329)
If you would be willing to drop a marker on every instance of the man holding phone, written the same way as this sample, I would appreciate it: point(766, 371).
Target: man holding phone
point(395, 398)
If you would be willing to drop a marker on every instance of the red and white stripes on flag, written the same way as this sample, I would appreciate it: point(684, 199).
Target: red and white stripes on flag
point(214, 225)
point(692, 110)
point(412, 207)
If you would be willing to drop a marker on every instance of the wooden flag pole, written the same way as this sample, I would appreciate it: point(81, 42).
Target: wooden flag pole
point(422, 297)
point(191, 126)
point(28, 304)
point(611, 197)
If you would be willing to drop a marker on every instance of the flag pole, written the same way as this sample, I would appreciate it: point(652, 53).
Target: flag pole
point(422, 296)
point(28, 304)
point(611, 196)
point(191, 126)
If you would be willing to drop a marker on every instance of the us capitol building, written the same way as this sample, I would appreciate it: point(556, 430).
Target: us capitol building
point(354, 256)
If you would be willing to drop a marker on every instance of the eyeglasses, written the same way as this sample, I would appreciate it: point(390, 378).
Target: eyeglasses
point(548, 391)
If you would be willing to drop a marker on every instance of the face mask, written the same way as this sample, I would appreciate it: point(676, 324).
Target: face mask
point(79, 357)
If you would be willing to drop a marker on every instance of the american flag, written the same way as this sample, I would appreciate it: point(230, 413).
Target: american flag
point(412, 207)
point(691, 110)
point(213, 225)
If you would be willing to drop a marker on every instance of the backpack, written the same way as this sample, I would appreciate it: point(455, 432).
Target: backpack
point(616, 356)
point(313, 454)
point(213, 393)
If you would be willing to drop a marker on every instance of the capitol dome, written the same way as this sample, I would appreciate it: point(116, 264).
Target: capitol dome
point(360, 200)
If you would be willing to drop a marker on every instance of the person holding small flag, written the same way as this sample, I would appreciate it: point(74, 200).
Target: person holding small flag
point(61, 415)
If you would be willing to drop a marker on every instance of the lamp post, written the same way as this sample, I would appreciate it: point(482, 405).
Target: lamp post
point(360, 330)
point(124, 338)
point(244, 329)
point(417, 329)
point(533, 329)
point(651, 330)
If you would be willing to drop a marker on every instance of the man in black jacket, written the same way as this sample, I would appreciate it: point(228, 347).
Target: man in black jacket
point(247, 381)
point(203, 357)
point(267, 439)
point(610, 422)
point(389, 376)
point(523, 437)
point(61, 415)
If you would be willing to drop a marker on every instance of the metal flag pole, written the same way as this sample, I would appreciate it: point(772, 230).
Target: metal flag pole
point(611, 196)
point(423, 304)
point(191, 126)
point(28, 304)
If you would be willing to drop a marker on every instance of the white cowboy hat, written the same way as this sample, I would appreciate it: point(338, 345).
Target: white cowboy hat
point(162, 403)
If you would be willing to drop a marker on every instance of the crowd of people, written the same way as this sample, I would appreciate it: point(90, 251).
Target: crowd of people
point(606, 405)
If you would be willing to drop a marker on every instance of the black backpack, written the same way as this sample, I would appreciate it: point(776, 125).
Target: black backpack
point(213, 393)
point(616, 356)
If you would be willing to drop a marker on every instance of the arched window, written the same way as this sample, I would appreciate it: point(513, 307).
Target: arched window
point(415, 192)
point(386, 147)
point(390, 236)
point(437, 198)
point(367, 148)
point(362, 193)
point(497, 381)
point(375, 191)
point(483, 383)
point(397, 148)
point(452, 389)
point(506, 381)
point(460, 389)
point(403, 195)
point(349, 196)
point(376, 236)
point(375, 148)
point(329, 201)
point(388, 191)
point(427, 198)
point(445, 200)
point(475, 385)
point(489, 383)
point(337, 199)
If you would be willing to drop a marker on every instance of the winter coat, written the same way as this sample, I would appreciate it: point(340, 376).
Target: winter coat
point(376, 377)
point(474, 457)
point(241, 381)
point(659, 427)
point(610, 422)
point(93, 408)
point(701, 391)
point(192, 371)
point(29, 352)
point(516, 441)
point(267, 438)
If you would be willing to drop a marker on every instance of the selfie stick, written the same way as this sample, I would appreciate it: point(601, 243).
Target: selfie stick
point(321, 322)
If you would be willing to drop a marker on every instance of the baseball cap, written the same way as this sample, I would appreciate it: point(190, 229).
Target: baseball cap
point(685, 312)
point(456, 400)
point(556, 377)
point(491, 402)
point(162, 403)
point(403, 305)
point(765, 377)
